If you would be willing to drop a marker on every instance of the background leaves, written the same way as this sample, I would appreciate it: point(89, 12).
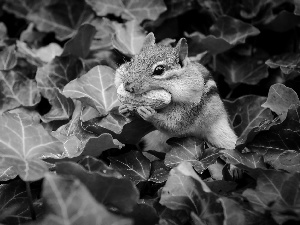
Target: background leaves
point(59, 114)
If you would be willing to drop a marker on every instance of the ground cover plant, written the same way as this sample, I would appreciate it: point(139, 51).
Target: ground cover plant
point(68, 157)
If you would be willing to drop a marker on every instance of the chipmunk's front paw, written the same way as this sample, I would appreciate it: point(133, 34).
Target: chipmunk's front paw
point(146, 112)
point(125, 110)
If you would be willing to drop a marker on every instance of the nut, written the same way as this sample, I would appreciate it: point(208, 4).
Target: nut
point(157, 99)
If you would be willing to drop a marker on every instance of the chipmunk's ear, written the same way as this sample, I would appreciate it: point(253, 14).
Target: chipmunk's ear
point(149, 40)
point(182, 49)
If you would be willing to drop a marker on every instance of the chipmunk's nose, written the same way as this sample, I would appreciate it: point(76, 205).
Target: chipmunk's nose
point(128, 87)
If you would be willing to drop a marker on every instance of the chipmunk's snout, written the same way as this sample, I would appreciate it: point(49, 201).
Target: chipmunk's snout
point(129, 87)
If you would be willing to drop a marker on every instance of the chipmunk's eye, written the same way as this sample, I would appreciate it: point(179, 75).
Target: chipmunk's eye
point(159, 70)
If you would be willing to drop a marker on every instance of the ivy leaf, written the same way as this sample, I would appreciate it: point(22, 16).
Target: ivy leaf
point(237, 212)
point(52, 78)
point(232, 30)
point(280, 98)
point(191, 150)
point(79, 45)
point(249, 159)
point(7, 174)
point(92, 164)
point(17, 90)
point(279, 145)
point(113, 121)
point(275, 192)
point(62, 17)
point(8, 58)
point(128, 37)
point(201, 43)
point(144, 214)
point(225, 33)
point(159, 171)
point(287, 62)
point(283, 22)
point(185, 190)
point(78, 141)
point(246, 113)
point(107, 189)
point(62, 107)
point(132, 131)
point(95, 88)
point(297, 8)
point(69, 202)
point(104, 33)
point(14, 207)
point(129, 10)
point(133, 165)
point(184, 149)
point(23, 145)
point(246, 70)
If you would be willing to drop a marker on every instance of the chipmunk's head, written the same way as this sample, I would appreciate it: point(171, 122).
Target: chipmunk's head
point(150, 67)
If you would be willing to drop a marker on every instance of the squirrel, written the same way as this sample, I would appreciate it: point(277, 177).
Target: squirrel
point(196, 109)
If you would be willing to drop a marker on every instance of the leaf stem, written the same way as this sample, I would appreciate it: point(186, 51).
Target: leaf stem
point(30, 201)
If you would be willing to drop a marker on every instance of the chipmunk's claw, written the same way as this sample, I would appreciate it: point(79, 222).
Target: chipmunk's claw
point(125, 110)
point(146, 112)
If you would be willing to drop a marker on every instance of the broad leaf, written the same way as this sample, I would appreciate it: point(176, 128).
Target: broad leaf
point(41, 55)
point(62, 17)
point(276, 193)
point(280, 98)
point(280, 143)
point(108, 190)
point(92, 164)
point(17, 90)
point(7, 173)
point(232, 30)
point(159, 171)
point(225, 33)
point(201, 43)
point(79, 45)
point(104, 32)
point(132, 132)
point(133, 165)
point(95, 88)
point(245, 113)
point(52, 78)
point(185, 190)
point(191, 150)
point(62, 107)
point(283, 22)
point(128, 37)
point(78, 141)
point(14, 207)
point(246, 70)
point(129, 10)
point(70, 202)
point(8, 58)
point(184, 149)
point(3, 31)
point(237, 213)
point(287, 62)
point(23, 145)
point(249, 159)
point(144, 214)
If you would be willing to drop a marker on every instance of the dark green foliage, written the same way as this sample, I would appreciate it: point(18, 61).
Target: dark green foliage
point(60, 129)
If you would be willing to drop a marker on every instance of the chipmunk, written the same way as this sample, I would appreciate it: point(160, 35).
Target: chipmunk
point(196, 108)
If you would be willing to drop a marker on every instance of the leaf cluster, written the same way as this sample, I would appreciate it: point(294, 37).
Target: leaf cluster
point(62, 136)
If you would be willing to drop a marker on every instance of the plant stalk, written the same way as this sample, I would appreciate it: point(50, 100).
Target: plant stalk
point(30, 201)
